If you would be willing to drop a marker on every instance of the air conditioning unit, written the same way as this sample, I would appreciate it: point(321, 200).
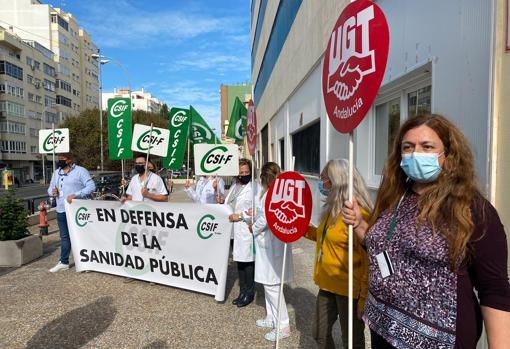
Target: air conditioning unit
point(37, 84)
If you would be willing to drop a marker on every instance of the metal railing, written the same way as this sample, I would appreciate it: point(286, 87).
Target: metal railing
point(32, 202)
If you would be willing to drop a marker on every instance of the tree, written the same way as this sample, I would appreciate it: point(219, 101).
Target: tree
point(85, 136)
point(163, 112)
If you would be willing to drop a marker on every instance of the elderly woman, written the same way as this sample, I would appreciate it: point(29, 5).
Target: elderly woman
point(431, 240)
point(331, 273)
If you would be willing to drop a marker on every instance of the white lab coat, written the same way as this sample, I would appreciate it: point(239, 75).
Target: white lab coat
point(204, 192)
point(243, 239)
point(269, 251)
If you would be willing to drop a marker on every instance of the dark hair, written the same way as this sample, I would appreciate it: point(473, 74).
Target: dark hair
point(142, 155)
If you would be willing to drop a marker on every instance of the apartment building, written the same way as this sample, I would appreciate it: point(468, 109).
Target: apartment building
point(140, 100)
point(59, 32)
point(27, 103)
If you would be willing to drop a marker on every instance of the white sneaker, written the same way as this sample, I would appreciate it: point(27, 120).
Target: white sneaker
point(60, 266)
point(264, 323)
point(283, 333)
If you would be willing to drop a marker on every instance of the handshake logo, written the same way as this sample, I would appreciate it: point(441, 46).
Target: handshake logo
point(350, 58)
point(287, 200)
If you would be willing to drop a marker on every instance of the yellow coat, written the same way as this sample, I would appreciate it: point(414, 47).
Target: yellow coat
point(331, 272)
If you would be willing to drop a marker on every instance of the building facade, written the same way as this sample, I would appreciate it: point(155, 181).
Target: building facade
point(55, 78)
point(447, 57)
point(59, 32)
point(27, 103)
point(140, 100)
point(228, 94)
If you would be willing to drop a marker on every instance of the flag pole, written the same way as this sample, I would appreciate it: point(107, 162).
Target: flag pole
point(351, 242)
point(280, 294)
point(147, 157)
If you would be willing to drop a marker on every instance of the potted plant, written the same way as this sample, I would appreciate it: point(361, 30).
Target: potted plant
point(17, 246)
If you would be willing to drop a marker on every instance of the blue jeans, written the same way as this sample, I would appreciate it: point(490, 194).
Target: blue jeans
point(65, 241)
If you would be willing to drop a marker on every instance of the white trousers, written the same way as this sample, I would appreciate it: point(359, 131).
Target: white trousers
point(271, 294)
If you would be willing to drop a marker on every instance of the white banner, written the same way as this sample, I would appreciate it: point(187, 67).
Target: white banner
point(158, 140)
point(216, 159)
point(176, 244)
point(59, 141)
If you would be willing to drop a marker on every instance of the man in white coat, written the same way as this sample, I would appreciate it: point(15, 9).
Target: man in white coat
point(240, 198)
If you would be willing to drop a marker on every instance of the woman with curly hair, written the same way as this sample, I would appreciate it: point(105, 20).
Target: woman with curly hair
point(432, 240)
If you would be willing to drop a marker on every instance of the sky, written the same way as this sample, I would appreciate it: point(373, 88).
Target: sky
point(178, 50)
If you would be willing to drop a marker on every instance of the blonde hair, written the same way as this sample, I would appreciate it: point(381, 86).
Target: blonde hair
point(338, 173)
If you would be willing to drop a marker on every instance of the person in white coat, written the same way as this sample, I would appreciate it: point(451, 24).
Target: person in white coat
point(240, 198)
point(207, 190)
point(269, 261)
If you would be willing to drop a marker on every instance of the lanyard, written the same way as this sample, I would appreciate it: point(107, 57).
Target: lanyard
point(324, 231)
point(394, 221)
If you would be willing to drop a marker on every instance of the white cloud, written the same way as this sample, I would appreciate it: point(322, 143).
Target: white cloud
point(118, 23)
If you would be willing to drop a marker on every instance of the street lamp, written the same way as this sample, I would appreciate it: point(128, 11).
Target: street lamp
point(100, 62)
point(103, 60)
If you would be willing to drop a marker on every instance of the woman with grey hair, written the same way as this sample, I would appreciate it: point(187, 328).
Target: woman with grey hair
point(331, 257)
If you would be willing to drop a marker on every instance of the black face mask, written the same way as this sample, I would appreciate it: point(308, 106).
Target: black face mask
point(140, 169)
point(244, 179)
point(61, 164)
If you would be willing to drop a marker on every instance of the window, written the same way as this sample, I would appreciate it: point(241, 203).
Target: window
point(49, 70)
point(306, 149)
point(13, 109)
point(29, 61)
point(12, 127)
point(49, 101)
point(64, 101)
point(37, 65)
point(51, 118)
point(13, 147)
point(30, 79)
point(11, 89)
point(33, 149)
point(61, 84)
point(34, 132)
point(10, 69)
point(265, 136)
point(49, 85)
point(397, 101)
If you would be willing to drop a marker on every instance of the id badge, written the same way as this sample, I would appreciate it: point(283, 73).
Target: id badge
point(385, 265)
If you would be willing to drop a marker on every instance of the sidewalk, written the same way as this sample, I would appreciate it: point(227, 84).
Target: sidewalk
point(94, 310)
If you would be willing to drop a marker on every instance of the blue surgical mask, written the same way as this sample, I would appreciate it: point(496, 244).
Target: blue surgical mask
point(421, 167)
point(323, 190)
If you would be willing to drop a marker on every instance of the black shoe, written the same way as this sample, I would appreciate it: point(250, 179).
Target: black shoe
point(247, 299)
point(235, 301)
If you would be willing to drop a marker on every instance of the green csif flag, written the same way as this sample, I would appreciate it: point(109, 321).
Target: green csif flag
point(200, 130)
point(120, 129)
point(237, 123)
point(178, 124)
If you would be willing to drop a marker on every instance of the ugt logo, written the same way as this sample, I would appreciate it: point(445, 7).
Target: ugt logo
point(206, 227)
point(287, 200)
point(82, 217)
point(288, 206)
point(354, 63)
point(350, 59)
